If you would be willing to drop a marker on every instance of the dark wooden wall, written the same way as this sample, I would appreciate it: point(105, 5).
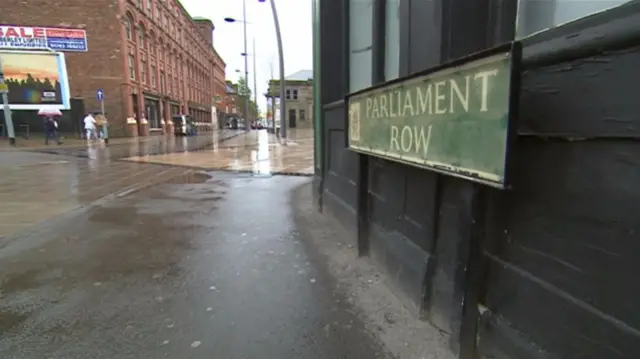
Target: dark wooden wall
point(550, 263)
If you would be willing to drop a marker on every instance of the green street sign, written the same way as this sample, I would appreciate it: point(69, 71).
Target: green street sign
point(456, 119)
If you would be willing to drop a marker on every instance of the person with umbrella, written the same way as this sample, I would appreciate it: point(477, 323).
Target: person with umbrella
point(50, 125)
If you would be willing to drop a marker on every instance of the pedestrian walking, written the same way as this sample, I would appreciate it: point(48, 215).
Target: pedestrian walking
point(103, 127)
point(90, 126)
point(51, 130)
point(99, 121)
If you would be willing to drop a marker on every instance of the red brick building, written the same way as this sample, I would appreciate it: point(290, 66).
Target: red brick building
point(151, 58)
point(228, 103)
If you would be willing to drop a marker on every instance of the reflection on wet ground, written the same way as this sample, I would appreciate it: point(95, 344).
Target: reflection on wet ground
point(210, 270)
point(36, 187)
point(257, 152)
point(143, 146)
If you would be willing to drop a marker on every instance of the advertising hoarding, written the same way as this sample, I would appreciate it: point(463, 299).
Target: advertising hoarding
point(276, 115)
point(35, 80)
point(31, 38)
point(273, 112)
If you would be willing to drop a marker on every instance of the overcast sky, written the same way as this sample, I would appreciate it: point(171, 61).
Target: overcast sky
point(295, 24)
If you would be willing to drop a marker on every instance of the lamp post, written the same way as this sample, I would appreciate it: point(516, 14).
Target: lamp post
point(255, 77)
point(274, 11)
point(283, 116)
point(246, 64)
point(255, 72)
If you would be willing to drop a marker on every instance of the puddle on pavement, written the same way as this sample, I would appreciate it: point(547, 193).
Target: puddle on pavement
point(190, 177)
point(10, 320)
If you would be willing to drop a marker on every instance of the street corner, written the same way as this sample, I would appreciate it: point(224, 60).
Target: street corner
point(37, 187)
point(185, 269)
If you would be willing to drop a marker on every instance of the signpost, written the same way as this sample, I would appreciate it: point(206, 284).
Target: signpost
point(4, 90)
point(100, 97)
point(105, 133)
point(455, 120)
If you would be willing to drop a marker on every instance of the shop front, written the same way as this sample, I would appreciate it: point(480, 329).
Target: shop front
point(201, 115)
point(153, 110)
point(511, 228)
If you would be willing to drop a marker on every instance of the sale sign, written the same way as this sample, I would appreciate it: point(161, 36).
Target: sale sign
point(56, 39)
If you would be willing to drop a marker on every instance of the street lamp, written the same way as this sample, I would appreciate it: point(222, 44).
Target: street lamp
point(255, 72)
point(283, 118)
point(246, 65)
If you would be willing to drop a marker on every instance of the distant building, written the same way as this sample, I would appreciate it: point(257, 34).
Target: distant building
point(227, 104)
point(298, 98)
point(150, 57)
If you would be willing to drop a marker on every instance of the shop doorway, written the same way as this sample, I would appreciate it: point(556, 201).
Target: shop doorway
point(292, 119)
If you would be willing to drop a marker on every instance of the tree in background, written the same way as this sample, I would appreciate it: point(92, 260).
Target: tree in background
point(244, 93)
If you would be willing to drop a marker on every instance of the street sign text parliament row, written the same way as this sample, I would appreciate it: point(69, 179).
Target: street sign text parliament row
point(455, 120)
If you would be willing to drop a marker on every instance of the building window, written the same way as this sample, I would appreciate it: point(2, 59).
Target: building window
point(150, 8)
point(287, 94)
point(143, 72)
point(295, 94)
point(139, 4)
point(153, 76)
point(392, 40)
point(132, 67)
point(163, 83)
point(360, 43)
point(127, 28)
point(535, 15)
point(141, 37)
point(303, 115)
point(152, 45)
point(158, 14)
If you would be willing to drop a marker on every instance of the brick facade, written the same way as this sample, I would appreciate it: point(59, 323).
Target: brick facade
point(149, 56)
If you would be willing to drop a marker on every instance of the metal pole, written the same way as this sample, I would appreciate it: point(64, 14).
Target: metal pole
point(273, 103)
point(7, 111)
point(105, 126)
point(283, 106)
point(255, 79)
point(246, 66)
point(273, 113)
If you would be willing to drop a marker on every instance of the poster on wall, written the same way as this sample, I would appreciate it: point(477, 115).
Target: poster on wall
point(456, 119)
point(35, 80)
point(37, 37)
point(269, 113)
point(276, 114)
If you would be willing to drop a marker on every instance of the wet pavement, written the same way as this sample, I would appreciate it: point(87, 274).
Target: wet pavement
point(42, 183)
point(214, 269)
point(35, 187)
point(256, 152)
point(142, 146)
